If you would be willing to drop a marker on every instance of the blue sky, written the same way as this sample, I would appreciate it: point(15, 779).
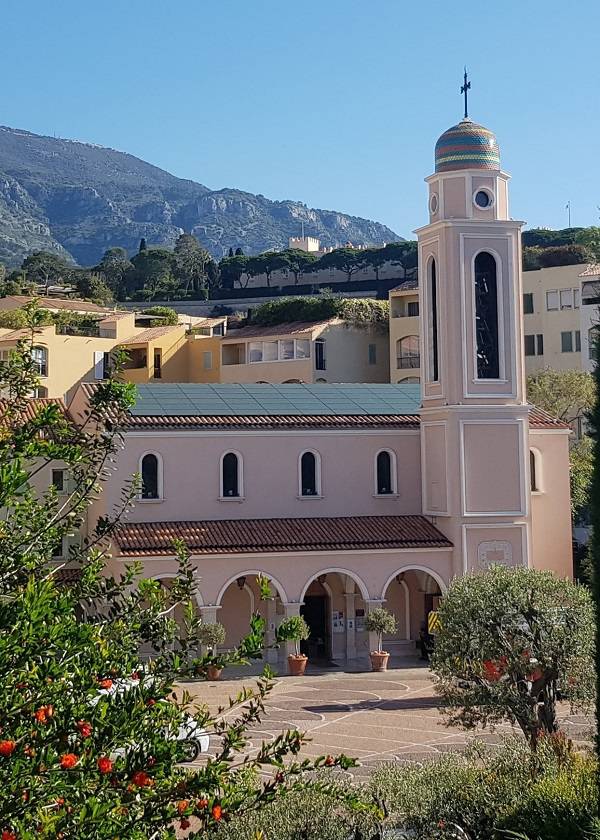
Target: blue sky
point(336, 103)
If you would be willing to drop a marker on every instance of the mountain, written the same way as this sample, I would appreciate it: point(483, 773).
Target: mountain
point(78, 199)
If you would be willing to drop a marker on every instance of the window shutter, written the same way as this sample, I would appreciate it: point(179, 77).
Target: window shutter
point(98, 364)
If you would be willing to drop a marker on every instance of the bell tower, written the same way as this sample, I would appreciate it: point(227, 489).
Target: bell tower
point(474, 417)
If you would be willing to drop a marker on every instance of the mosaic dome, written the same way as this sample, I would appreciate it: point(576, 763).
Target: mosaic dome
point(467, 146)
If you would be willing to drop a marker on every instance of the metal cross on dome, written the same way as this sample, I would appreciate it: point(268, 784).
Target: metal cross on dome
point(464, 88)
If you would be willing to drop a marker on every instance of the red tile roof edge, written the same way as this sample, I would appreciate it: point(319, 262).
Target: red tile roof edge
point(249, 536)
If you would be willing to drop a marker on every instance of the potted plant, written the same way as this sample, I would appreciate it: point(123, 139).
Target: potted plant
point(294, 629)
point(212, 635)
point(380, 621)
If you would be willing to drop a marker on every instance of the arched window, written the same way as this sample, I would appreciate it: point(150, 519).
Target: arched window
point(593, 336)
point(407, 352)
point(310, 474)
point(486, 317)
point(385, 473)
point(231, 478)
point(150, 470)
point(434, 373)
point(535, 471)
point(40, 359)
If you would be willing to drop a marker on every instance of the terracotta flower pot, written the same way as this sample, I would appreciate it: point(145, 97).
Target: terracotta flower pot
point(297, 664)
point(213, 672)
point(379, 660)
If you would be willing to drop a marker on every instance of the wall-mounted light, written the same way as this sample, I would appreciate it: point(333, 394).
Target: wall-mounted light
point(321, 579)
point(400, 578)
point(241, 581)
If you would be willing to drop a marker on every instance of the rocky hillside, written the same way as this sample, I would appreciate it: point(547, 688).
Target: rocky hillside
point(62, 195)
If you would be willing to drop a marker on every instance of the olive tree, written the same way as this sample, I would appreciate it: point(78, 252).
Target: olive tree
point(512, 641)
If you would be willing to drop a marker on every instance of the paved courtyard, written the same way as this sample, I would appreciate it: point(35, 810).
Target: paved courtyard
point(391, 716)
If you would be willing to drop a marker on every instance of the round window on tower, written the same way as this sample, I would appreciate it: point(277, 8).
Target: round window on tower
point(433, 204)
point(483, 199)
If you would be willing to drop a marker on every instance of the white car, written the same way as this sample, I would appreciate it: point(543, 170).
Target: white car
point(194, 740)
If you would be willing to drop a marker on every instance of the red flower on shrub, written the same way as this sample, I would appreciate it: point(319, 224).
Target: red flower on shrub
point(329, 761)
point(43, 714)
point(85, 728)
point(141, 779)
point(202, 803)
point(7, 748)
point(536, 674)
point(105, 765)
point(185, 823)
point(8, 835)
point(68, 761)
point(107, 683)
point(151, 702)
point(182, 805)
point(492, 670)
point(217, 812)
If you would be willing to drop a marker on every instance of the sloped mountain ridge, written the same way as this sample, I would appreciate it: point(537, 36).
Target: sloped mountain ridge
point(79, 199)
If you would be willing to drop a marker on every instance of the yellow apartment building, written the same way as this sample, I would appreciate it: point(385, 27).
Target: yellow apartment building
point(405, 357)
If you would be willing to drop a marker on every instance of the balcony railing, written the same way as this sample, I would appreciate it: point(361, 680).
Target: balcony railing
point(408, 360)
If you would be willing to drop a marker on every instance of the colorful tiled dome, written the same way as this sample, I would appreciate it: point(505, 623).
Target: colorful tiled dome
point(467, 146)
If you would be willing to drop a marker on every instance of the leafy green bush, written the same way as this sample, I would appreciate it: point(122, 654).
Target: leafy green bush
point(293, 629)
point(318, 815)
point(380, 621)
point(166, 316)
point(488, 791)
point(358, 312)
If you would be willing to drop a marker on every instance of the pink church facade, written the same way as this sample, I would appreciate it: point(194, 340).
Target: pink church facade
point(348, 497)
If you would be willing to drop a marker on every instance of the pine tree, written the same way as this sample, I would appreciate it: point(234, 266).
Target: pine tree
point(143, 246)
point(239, 252)
point(230, 254)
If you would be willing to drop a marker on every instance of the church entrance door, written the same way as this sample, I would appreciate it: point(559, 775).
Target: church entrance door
point(315, 610)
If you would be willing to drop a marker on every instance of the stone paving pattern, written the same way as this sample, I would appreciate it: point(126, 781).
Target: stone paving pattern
point(375, 717)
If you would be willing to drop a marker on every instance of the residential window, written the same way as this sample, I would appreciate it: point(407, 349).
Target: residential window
point(207, 359)
point(59, 480)
point(533, 471)
point(412, 308)
point(566, 298)
point(39, 391)
point(40, 359)
point(255, 351)
point(150, 476)
point(566, 342)
point(486, 317)
point(303, 348)
point(407, 352)
point(592, 340)
point(540, 344)
point(230, 476)
point(372, 354)
point(59, 550)
point(551, 301)
point(385, 481)
point(157, 373)
point(528, 303)
point(309, 477)
point(286, 349)
point(577, 341)
point(270, 351)
point(530, 345)
point(320, 361)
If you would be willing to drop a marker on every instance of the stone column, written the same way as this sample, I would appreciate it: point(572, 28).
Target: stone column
point(350, 615)
point(370, 605)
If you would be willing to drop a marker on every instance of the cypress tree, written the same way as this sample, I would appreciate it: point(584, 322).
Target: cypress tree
point(594, 547)
point(239, 252)
point(230, 254)
point(143, 246)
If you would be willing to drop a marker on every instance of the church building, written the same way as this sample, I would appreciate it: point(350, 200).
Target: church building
point(351, 496)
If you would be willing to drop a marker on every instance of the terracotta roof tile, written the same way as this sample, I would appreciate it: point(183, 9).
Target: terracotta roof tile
point(292, 328)
point(72, 305)
point(246, 536)
point(274, 421)
point(540, 419)
point(32, 408)
point(149, 335)
point(15, 335)
point(593, 270)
